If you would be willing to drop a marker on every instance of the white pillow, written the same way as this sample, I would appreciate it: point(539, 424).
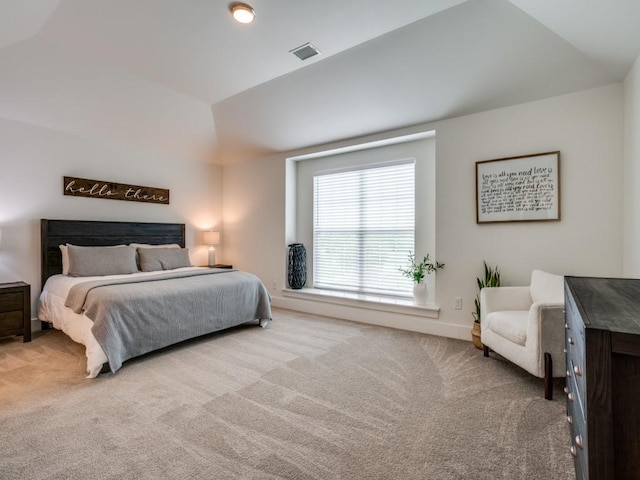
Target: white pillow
point(65, 259)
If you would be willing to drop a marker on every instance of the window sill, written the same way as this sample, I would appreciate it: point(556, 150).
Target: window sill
point(372, 302)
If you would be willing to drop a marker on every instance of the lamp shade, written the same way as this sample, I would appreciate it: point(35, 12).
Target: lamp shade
point(211, 238)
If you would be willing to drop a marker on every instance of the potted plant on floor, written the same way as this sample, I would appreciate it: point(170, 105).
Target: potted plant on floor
point(491, 279)
point(417, 271)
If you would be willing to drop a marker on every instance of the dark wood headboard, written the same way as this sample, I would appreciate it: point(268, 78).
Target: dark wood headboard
point(54, 233)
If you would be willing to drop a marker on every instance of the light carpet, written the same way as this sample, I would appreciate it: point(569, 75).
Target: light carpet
point(307, 398)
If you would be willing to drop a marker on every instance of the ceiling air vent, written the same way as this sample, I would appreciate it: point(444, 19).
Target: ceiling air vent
point(305, 51)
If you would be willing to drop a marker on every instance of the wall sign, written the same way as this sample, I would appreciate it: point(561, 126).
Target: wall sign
point(83, 187)
point(518, 189)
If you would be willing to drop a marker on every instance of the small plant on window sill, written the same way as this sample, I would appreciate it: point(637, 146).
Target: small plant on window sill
point(416, 271)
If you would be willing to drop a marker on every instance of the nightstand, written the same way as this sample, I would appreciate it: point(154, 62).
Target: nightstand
point(15, 310)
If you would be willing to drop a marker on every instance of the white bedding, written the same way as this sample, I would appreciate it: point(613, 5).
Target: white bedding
point(78, 326)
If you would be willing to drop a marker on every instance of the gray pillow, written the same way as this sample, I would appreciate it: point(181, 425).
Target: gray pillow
point(89, 261)
point(149, 245)
point(152, 259)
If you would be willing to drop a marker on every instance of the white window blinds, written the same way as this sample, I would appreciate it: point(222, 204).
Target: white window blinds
point(363, 228)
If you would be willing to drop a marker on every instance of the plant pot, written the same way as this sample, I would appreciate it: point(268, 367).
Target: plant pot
point(475, 335)
point(420, 293)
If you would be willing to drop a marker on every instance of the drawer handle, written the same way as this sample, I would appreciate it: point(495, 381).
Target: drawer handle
point(566, 326)
point(564, 350)
point(569, 419)
point(571, 397)
point(568, 373)
point(570, 341)
point(579, 442)
point(574, 451)
point(566, 390)
point(578, 370)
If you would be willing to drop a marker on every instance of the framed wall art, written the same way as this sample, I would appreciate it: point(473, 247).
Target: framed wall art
point(518, 189)
point(84, 187)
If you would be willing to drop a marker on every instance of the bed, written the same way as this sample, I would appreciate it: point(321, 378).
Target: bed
point(104, 301)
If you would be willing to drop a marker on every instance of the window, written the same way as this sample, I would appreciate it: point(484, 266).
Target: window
point(364, 227)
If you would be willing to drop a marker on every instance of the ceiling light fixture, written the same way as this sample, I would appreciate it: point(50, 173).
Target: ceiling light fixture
point(242, 12)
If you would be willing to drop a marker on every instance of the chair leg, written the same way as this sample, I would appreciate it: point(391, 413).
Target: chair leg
point(485, 350)
point(548, 376)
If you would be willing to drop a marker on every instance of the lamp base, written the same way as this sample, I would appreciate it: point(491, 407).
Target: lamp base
point(212, 257)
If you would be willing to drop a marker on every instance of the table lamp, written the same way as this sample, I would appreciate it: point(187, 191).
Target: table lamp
point(211, 238)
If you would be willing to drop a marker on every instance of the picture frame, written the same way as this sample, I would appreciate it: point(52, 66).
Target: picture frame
point(84, 187)
point(518, 189)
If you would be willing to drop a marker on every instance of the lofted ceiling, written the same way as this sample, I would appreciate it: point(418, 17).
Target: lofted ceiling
point(180, 77)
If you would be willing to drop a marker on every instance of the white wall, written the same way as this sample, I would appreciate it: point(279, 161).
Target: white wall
point(587, 129)
point(632, 171)
point(254, 219)
point(33, 161)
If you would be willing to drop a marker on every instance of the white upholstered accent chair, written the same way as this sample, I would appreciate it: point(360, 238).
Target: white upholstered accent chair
point(526, 326)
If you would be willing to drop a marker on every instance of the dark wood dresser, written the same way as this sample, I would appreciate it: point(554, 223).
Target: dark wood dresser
point(602, 322)
point(15, 310)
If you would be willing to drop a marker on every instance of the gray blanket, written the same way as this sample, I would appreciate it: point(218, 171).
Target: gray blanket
point(136, 316)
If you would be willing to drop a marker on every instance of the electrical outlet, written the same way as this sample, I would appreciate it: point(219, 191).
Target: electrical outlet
point(274, 286)
point(457, 303)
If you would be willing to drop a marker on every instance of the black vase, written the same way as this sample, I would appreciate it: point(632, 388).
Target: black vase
point(297, 266)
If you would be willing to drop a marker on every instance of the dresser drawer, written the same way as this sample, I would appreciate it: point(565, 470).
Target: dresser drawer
point(15, 310)
point(574, 332)
point(579, 453)
point(574, 346)
point(576, 370)
point(11, 322)
point(575, 403)
point(578, 427)
point(10, 302)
